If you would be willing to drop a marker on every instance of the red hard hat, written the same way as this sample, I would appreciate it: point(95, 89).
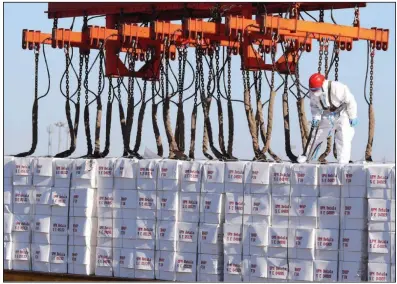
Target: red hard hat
point(316, 81)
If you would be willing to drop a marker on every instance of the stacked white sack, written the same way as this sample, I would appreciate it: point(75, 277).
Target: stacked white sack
point(280, 241)
point(145, 226)
point(167, 218)
point(8, 168)
point(135, 225)
point(43, 181)
point(60, 203)
point(353, 225)
point(23, 212)
point(83, 219)
point(105, 229)
point(7, 180)
point(234, 191)
point(381, 225)
point(212, 216)
point(212, 193)
point(257, 193)
point(125, 205)
point(304, 194)
point(328, 219)
point(210, 253)
point(280, 177)
point(257, 212)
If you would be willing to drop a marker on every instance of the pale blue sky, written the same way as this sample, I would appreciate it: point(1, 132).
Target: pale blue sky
point(19, 90)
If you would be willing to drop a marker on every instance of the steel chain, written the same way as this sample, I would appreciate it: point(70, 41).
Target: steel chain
point(36, 73)
point(210, 71)
point(326, 59)
point(336, 62)
point(180, 84)
point(321, 17)
point(320, 55)
point(167, 62)
point(218, 77)
point(131, 68)
point(201, 54)
point(229, 73)
point(273, 56)
point(100, 71)
point(86, 58)
point(197, 82)
point(67, 71)
point(356, 21)
point(110, 90)
point(81, 62)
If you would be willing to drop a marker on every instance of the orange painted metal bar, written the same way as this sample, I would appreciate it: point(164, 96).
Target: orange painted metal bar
point(278, 25)
point(177, 10)
point(224, 34)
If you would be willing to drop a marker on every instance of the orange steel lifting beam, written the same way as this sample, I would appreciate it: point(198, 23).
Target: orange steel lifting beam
point(142, 12)
point(260, 31)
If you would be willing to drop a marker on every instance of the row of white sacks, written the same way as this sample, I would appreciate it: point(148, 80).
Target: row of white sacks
point(232, 178)
point(240, 244)
point(279, 179)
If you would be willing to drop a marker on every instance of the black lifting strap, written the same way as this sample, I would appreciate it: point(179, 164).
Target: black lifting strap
point(122, 119)
point(99, 107)
point(130, 100)
point(108, 120)
point(87, 110)
point(73, 130)
point(35, 109)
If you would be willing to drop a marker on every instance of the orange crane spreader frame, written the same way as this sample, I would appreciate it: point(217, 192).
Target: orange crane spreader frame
point(240, 32)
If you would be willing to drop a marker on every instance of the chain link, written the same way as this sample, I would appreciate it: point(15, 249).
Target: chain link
point(356, 21)
point(36, 73)
point(197, 82)
point(110, 90)
point(55, 25)
point(81, 62)
point(273, 57)
point(167, 63)
point(326, 59)
point(100, 71)
point(67, 71)
point(131, 68)
point(320, 55)
point(229, 73)
point(201, 54)
point(336, 61)
point(119, 89)
point(86, 77)
point(180, 83)
point(210, 71)
point(321, 17)
point(218, 77)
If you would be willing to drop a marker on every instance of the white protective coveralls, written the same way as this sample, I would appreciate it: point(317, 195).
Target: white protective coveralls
point(346, 108)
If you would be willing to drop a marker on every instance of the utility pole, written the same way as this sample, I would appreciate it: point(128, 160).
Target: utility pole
point(50, 130)
point(59, 124)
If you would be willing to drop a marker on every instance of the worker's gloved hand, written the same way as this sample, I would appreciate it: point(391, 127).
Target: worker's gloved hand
point(301, 159)
point(353, 122)
point(315, 122)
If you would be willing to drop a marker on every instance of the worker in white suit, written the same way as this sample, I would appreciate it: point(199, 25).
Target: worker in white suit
point(333, 107)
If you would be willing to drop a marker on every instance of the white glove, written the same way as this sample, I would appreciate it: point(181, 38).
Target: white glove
point(302, 159)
